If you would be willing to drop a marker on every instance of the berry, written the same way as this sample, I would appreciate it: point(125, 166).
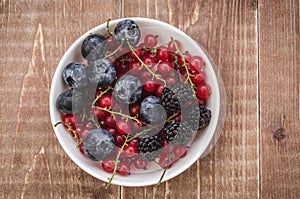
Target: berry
point(93, 47)
point(70, 120)
point(70, 101)
point(134, 109)
point(100, 114)
point(151, 110)
point(203, 91)
point(164, 68)
point(198, 78)
point(119, 139)
point(150, 40)
point(98, 144)
point(172, 47)
point(149, 147)
point(101, 72)
point(139, 163)
point(177, 133)
point(166, 161)
point(150, 86)
point(108, 165)
point(197, 117)
point(128, 89)
point(198, 63)
point(163, 54)
point(106, 101)
point(109, 121)
point(127, 29)
point(123, 127)
point(112, 44)
point(159, 90)
point(175, 96)
point(75, 75)
point(123, 169)
point(180, 151)
point(130, 150)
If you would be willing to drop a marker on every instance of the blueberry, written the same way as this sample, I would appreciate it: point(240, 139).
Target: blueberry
point(75, 75)
point(101, 72)
point(128, 29)
point(93, 47)
point(152, 111)
point(128, 89)
point(98, 144)
point(70, 101)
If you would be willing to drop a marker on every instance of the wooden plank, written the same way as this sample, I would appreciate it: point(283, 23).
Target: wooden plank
point(227, 30)
point(279, 61)
point(34, 36)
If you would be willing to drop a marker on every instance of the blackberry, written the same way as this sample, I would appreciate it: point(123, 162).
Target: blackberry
point(175, 96)
point(149, 147)
point(178, 133)
point(198, 117)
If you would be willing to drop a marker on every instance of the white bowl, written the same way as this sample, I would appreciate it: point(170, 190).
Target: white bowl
point(201, 142)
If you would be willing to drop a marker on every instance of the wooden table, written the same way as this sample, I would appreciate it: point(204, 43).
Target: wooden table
point(256, 46)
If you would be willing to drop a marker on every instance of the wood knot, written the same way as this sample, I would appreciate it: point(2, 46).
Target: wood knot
point(254, 5)
point(279, 134)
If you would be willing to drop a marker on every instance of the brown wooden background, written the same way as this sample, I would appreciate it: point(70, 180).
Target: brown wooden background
point(255, 44)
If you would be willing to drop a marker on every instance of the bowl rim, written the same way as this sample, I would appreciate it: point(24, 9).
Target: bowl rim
point(119, 180)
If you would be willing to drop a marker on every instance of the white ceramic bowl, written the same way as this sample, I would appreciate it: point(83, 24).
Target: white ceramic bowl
point(201, 142)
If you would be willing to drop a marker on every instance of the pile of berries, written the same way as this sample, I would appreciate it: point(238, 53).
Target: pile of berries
point(135, 102)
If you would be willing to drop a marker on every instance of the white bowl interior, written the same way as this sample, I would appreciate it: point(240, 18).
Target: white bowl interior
point(201, 142)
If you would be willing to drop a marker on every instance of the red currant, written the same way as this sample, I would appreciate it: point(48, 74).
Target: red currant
point(123, 169)
point(100, 114)
point(150, 40)
point(139, 163)
point(203, 91)
point(70, 120)
point(138, 52)
point(163, 54)
point(123, 127)
point(108, 164)
point(106, 101)
point(111, 130)
point(134, 109)
point(198, 78)
point(130, 150)
point(158, 91)
point(109, 121)
point(197, 61)
point(150, 86)
point(180, 151)
point(164, 68)
point(172, 47)
point(149, 61)
point(119, 139)
point(166, 161)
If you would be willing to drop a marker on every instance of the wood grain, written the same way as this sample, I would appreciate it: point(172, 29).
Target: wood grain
point(279, 69)
point(227, 30)
point(255, 45)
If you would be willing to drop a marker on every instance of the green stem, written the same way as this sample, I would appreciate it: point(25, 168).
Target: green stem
point(107, 27)
point(172, 117)
point(144, 65)
point(117, 160)
point(116, 50)
point(69, 128)
point(189, 75)
point(165, 170)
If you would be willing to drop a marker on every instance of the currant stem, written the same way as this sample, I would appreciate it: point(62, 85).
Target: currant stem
point(107, 27)
point(143, 64)
point(117, 160)
point(101, 94)
point(115, 51)
point(189, 75)
point(172, 117)
point(165, 170)
point(69, 128)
